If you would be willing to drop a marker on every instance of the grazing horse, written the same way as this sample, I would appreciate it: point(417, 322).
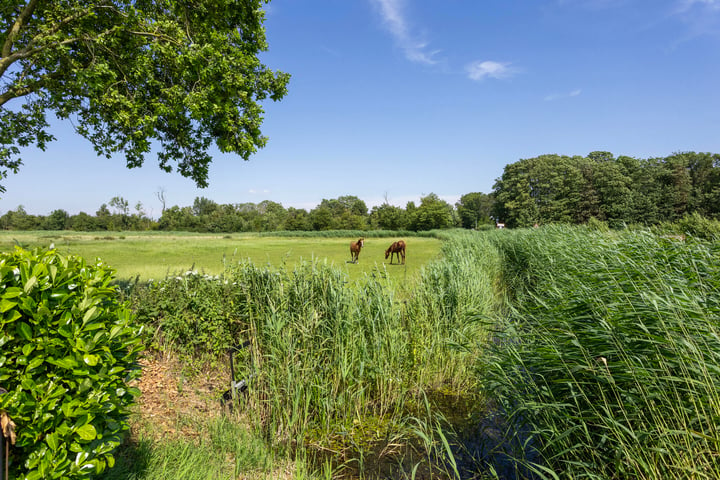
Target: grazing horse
point(396, 248)
point(355, 249)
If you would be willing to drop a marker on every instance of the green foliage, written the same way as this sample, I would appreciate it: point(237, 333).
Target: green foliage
point(193, 313)
point(433, 213)
point(599, 225)
point(183, 75)
point(610, 354)
point(475, 209)
point(697, 226)
point(327, 354)
point(69, 351)
point(623, 190)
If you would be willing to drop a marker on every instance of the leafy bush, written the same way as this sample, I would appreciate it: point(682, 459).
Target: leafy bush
point(69, 351)
point(700, 227)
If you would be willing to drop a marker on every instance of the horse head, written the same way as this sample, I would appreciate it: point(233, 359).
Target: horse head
point(390, 250)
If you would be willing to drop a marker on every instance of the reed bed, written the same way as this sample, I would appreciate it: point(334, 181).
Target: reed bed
point(338, 370)
point(608, 361)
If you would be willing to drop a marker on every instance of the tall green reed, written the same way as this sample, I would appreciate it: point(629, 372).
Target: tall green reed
point(611, 352)
point(336, 365)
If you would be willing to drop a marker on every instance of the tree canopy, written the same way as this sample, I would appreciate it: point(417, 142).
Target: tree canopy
point(622, 190)
point(133, 73)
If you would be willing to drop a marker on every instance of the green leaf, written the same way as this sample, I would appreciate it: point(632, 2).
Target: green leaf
point(67, 362)
point(36, 362)
point(90, 314)
point(12, 292)
point(24, 330)
point(52, 440)
point(91, 360)
point(87, 432)
point(27, 349)
point(30, 284)
point(6, 305)
point(14, 315)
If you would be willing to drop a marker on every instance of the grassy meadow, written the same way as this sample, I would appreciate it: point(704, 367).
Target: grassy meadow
point(154, 255)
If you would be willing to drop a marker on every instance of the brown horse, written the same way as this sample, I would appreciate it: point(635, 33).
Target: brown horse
point(396, 248)
point(355, 249)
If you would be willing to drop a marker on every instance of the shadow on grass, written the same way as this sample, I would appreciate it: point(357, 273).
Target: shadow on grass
point(132, 460)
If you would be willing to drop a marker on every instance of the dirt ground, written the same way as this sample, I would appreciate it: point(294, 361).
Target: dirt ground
point(171, 399)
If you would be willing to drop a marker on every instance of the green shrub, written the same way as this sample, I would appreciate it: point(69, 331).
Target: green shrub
point(699, 227)
point(69, 351)
point(597, 224)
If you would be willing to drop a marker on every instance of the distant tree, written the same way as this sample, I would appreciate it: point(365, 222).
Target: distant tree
point(297, 219)
point(160, 194)
point(57, 220)
point(433, 213)
point(599, 157)
point(272, 216)
point(704, 170)
point(475, 209)
point(178, 219)
point(82, 222)
point(353, 205)
point(347, 212)
point(388, 217)
point(321, 218)
point(614, 190)
point(648, 205)
point(183, 74)
point(103, 218)
point(19, 220)
point(121, 206)
point(514, 203)
point(121, 218)
point(678, 185)
point(203, 206)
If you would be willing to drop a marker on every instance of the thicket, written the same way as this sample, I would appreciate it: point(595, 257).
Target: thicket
point(609, 355)
point(69, 351)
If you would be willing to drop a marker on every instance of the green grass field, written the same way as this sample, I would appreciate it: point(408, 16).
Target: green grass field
point(153, 255)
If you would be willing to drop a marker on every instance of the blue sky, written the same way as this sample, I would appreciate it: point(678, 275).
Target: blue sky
point(396, 99)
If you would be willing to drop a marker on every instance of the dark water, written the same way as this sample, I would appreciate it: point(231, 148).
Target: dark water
point(481, 439)
point(491, 443)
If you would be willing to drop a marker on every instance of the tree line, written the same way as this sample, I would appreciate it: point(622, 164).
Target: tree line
point(343, 213)
point(622, 190)
point(539, 190)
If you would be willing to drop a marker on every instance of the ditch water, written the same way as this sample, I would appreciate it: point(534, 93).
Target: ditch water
point(481, 441)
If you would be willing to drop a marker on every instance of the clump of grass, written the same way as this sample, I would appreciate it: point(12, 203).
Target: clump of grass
point(610, 354)
point(223, 448)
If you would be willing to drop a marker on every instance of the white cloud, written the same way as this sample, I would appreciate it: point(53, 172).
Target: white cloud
point(414, 48)
point(479, 70)
point(557, 96)
point(254, 191)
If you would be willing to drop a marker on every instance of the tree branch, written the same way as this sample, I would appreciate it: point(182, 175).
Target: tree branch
point(27, 89)
point(14, 31)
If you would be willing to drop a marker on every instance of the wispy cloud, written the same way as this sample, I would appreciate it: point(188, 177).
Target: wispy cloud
point(480, 70)
point(413, 46)
point(254, 191)
point(701, 17)
point(685, 5)
point(557, 96)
